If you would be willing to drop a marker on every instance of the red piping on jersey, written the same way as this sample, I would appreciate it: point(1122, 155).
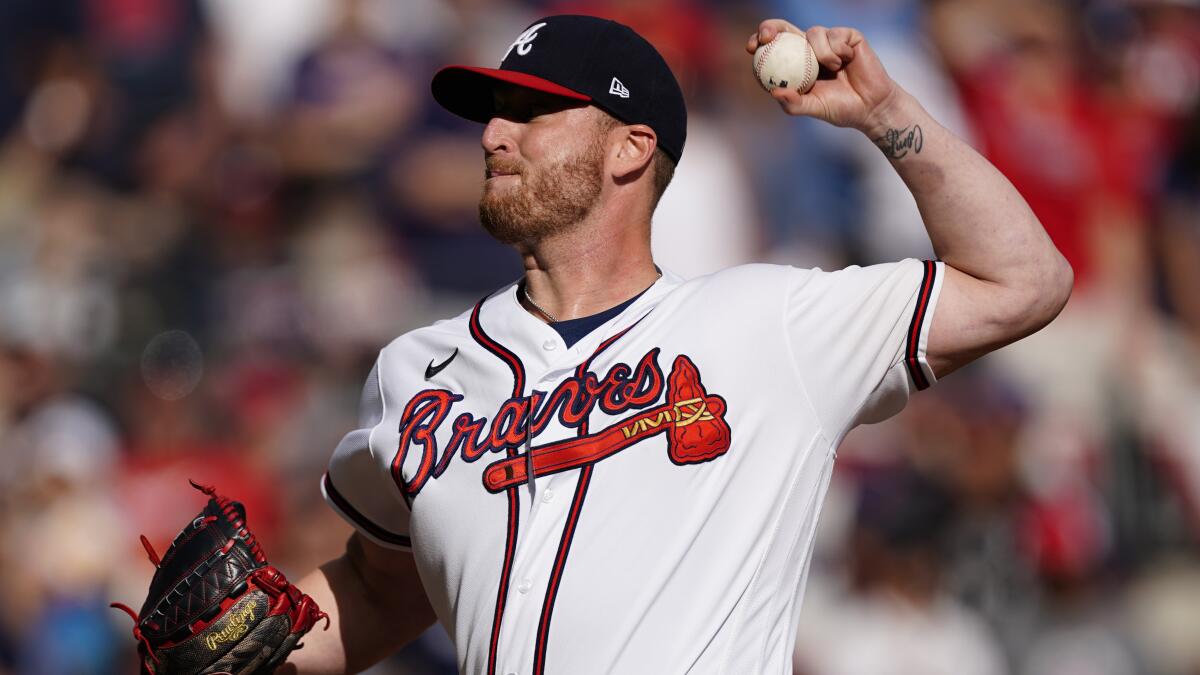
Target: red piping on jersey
point(510, 543)
point(564, 545)
point(509, 358)
point(912, 360)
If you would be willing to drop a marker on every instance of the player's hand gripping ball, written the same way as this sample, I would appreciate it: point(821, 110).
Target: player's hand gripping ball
point(788, 61)
point(215, 604)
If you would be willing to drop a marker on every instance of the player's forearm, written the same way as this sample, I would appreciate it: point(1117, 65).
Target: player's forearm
point(323, 652)
point(368, 622)
point(977, 221)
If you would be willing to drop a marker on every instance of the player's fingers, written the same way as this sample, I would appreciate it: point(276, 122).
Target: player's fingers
point(767, 30)
point(842, 41)
point(795, 103)
point(818, 39)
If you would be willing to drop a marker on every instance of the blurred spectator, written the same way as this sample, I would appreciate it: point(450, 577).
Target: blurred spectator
point(968, 435)
point(57, 519)
point(1160, 68)
point(27, 29)
point(1162, 616)
point(1169, 383)
point(894, 617)
point(59, 295)
point(1051, 131)
point(147, 52)
point(1179, 247)
point(349, 96)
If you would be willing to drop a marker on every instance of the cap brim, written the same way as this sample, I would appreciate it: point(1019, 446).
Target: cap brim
point(466, 91)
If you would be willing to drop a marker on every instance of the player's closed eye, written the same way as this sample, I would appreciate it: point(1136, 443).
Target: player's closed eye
point(522, 106)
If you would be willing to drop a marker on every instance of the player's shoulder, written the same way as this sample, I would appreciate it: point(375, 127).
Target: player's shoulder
point(755, 278)
point(772, 272)
point(745, 295)
point(757, 286)
point(793, 276)
point(751, 273)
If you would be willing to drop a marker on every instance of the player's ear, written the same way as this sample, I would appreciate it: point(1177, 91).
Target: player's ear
point(634, 152)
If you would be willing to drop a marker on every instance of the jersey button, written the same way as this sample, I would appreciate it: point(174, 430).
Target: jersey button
point(524, 586)
point(549, 345)
point(547, 495)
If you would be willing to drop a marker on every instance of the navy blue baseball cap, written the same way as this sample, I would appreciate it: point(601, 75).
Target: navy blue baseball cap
point(585, 58)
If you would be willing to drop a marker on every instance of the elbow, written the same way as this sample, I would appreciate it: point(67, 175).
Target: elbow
point(1049, 292)
point(1058, 286)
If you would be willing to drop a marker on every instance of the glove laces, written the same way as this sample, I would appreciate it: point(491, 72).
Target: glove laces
point(137, 630)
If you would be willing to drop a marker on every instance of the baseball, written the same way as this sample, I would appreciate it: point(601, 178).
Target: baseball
point(787, 61)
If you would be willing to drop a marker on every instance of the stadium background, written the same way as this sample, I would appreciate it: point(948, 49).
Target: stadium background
point(214, 213)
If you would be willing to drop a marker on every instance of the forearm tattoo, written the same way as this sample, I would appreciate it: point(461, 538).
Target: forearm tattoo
point(897, 143)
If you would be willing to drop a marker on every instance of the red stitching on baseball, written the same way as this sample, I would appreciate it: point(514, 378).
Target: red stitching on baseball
point(809, 65)
point(762, 58)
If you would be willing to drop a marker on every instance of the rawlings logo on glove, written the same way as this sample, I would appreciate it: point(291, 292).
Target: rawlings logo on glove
point(215, 605)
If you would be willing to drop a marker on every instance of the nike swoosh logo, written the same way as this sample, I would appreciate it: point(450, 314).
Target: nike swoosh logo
point(432, 370)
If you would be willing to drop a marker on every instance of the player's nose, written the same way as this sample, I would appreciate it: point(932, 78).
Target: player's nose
point(499, 135)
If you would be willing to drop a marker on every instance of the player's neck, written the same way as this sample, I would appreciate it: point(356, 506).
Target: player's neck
point(587, 270)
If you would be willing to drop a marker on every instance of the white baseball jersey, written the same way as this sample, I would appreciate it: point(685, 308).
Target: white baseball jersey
point(645, 500)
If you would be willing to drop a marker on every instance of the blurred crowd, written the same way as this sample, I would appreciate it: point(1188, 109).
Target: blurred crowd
point(213, 213)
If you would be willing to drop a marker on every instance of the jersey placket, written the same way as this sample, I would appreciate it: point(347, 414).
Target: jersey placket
point(543, 510)
point(552, 507)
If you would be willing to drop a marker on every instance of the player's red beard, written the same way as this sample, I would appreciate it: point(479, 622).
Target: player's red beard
point(546, 200)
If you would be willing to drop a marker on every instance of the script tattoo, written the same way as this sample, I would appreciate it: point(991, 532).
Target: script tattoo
point(897, 143)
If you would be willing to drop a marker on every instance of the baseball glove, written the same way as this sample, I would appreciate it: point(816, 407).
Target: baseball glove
point(215, 605)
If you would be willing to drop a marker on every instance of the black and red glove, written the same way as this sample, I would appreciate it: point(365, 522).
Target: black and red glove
point(215, 605)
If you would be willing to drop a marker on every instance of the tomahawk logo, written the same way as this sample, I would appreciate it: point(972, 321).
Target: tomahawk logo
point(524, 41)
point(618, 88)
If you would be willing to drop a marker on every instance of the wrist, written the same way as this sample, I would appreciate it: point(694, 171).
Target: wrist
point(899, 129)
point(898, 112)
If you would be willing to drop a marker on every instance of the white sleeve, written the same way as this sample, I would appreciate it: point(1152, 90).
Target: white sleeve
point(359, 486)
point(859, 337)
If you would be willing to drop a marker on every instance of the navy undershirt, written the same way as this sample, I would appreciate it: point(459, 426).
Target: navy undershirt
point(574, 330)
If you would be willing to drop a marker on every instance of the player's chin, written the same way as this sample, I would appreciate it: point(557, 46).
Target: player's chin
point(505, 232)
point(496, 199)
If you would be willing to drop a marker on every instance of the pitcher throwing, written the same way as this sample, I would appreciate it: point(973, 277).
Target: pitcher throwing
point(606, 468)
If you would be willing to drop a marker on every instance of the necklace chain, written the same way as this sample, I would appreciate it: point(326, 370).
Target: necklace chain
point(543, 312)
point(548, 315)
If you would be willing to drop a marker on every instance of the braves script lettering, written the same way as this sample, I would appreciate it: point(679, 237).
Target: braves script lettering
point(694, 419)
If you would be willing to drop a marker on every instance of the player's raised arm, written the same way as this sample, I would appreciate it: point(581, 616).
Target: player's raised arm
point(1004, 277)
point(376, 605)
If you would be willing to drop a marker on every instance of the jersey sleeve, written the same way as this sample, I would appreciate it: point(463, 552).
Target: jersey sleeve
point(859, 338)
point(358, 484)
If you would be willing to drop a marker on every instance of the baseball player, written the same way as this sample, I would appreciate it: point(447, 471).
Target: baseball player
point(605, 468)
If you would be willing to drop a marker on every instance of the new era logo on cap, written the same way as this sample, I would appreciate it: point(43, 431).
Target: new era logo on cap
point(584, 58)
